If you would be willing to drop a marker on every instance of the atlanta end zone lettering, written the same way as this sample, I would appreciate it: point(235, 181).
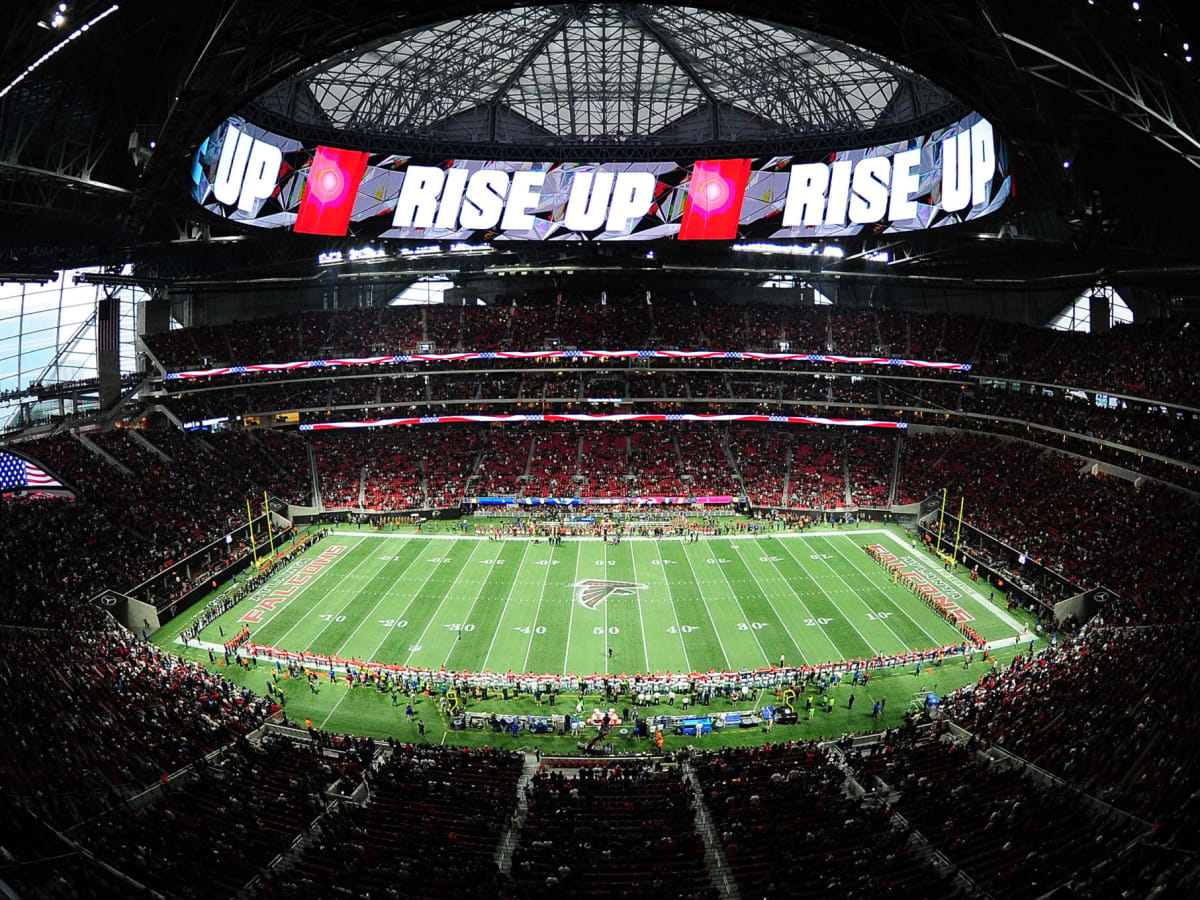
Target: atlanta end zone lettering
point(279, 595)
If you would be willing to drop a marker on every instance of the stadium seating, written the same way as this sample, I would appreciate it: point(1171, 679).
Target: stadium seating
point(1120, 361)
point(340, 466)
point(1012, 836)
point(241, 811)
point(623, 830)
point(818, 479)
point(1110, 714)
point(789, 830)
point(116, 716)
point(431, 830)
point(762, 459)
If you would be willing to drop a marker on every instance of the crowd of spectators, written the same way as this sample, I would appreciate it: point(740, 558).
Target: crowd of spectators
point(1155, 431)
point(392, 478)
point(854, 333)
point(448, 460)
point(818, 476)
point(654, 462)
point(340, 464)
point(1148, 360)
point(789, 830)
point(1094, 529)
point(621, 830)
point(604, 464)
point(63, 550)
point(762, 458)
point(91, 718)
point(505, 460)
point(431, 829)
point(1012, 836)
point(553, 464)
point(1111, 713)
point(216, 830)
point(870, 463)
point(704, 463)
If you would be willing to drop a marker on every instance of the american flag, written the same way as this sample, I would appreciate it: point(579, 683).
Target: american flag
point(17, 472)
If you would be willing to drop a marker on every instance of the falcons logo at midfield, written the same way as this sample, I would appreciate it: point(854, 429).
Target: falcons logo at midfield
point(594, 591)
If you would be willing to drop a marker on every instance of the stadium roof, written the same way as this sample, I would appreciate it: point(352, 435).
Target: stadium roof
point(98, 133)
point(603, 73)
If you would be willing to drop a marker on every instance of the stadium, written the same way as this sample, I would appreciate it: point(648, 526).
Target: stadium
point(510, 449)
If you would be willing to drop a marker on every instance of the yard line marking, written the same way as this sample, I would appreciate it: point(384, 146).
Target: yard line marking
point(704, 600)
point(899, 606)
point(316, 640)
point(866, 605)
point(386, 633)
point(804, 569)
point(675, 612)
point(839, 655)
point(607, 636)
point(441, 602)
point(585, 539)
point(537, 612)
point(571, 614)
point(641, 618)
point(750, 568)
point(371, 614)
point(286, 572)
point(507, 598)
point(279, 642)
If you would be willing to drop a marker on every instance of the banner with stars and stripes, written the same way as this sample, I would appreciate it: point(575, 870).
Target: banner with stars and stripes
point(16, 472)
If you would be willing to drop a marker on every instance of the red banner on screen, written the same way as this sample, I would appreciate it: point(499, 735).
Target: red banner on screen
point(329, 191)
point(714, 199)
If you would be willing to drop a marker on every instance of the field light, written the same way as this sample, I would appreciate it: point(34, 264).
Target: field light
point(74, 35)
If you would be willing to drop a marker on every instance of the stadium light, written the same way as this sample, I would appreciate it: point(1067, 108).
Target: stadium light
point(78, 32)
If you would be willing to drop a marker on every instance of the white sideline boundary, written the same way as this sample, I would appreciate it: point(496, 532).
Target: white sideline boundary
point(269, 664)
point(1021, 633)
point(737, 536)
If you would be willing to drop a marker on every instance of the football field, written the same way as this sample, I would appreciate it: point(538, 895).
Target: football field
point(723, 603)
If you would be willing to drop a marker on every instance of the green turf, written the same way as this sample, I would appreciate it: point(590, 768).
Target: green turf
point(723, 603)
point(736, 602)
point(363, 711)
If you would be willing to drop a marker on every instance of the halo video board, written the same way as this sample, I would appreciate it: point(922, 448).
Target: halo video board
point(257, 178)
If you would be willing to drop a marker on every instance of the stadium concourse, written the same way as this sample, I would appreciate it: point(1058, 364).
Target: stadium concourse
point(514, 450)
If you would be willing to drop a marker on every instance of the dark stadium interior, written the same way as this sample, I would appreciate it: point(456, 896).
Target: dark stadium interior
point(179, 354)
